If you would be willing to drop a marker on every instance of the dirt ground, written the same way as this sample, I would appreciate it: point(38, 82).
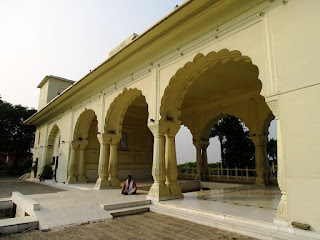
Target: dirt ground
point(149, 226)
point(9, 185)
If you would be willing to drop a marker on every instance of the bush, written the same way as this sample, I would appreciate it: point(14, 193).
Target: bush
point(47, 172)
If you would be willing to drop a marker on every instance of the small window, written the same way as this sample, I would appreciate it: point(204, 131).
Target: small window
point(124, 141)
point(39, 138)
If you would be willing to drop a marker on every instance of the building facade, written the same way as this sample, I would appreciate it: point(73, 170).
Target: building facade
point(256, 60)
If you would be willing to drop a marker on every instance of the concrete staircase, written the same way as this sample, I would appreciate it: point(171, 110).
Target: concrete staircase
point(251, 228)
point(127, 208)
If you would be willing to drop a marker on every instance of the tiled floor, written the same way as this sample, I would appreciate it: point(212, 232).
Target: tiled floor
point(247, 201)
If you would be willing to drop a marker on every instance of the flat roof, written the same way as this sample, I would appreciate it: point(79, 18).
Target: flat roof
point(55, 77)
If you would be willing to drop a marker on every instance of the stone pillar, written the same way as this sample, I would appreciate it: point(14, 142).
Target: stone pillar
point(282, 212)
point(72, 163)
point(81, 166)
point(259, 142)
point(199, 164)
point(204, 175)
point(102, 181)
point(113, 164)
point(158, 190)
point(171, 162)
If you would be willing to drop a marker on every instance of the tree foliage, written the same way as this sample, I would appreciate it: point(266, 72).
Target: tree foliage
point(272, 150)
point(237, 149)
point(16, 137)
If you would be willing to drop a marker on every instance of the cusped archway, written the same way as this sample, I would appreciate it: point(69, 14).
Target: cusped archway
point(127, 118)
point(53, 149)
point(87, 147)
point(225, 71)
point(83, 123)
point(119, 107)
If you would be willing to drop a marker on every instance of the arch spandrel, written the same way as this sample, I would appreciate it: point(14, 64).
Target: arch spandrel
point(181, 82)
point(118, 108)
point(81, 129)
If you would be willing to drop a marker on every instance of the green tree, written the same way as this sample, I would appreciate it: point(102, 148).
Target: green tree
point(272, 150)
point(237, 149)
point(16, 137)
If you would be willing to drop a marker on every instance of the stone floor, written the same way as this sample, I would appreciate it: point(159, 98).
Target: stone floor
point(9, 185)
point(245, 201)
point(145, 226)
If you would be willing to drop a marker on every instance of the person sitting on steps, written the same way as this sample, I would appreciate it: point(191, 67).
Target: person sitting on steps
point(129, 186)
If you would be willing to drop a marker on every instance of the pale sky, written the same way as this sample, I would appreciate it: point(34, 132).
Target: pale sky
point(68, 39)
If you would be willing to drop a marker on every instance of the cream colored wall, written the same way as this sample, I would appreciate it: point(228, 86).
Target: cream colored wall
point(56, 87)
point(296, 50)
point(91, 154)
point(43, 98)
point(137, 158)
point(50, 89)
point(41, 150)
point(39, 147)
point(282, 40)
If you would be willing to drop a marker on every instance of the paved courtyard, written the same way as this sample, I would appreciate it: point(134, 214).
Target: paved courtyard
point(9, 185)
point(143, 226)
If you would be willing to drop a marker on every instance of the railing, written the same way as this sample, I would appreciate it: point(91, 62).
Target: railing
point(225, 174)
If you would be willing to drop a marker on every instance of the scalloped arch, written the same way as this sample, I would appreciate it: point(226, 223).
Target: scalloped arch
point(181, 82)
point(82, 126)
point(205, 132)
point(118, 108)
point(52, 135)
point(266, 124)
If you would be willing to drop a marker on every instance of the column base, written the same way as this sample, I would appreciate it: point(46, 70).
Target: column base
point(82, 179)
point(101, 183)
point(71, 179)
point(260, 181)
point(114, 182)
point(282, 208)
point(174, 188)
point(159, 191)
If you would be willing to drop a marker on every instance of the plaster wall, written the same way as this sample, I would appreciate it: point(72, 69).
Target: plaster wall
point(91, 153)
point(43, 98)
point(136, 159)
point(56, 87)
point(296, 48)
point(282, 41)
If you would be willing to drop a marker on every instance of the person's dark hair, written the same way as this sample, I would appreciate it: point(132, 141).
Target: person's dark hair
point(129, 177)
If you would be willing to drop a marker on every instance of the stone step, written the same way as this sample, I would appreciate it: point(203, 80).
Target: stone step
point(241, 226)
point(125, 205)
point(222, 216)
point(14, 225)
point(128, 211)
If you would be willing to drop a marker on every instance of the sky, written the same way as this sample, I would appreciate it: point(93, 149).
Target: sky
point(68, 39)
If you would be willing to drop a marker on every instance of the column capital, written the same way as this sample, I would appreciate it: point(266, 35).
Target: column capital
point(115, 139)
point(104, 138)
point(201, 143)
point(259, 140)
point(74, 144)
point(83, 144)
point(158, 128)
point(173, 129)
